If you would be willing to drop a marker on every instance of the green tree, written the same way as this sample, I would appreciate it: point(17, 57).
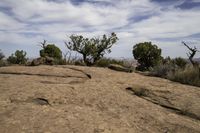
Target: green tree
point(1, 55)
point(92, 49)
point(18, 58)
point(147, 55)
point(50, 50)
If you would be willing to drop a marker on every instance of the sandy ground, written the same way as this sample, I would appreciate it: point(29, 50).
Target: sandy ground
point(72, 99)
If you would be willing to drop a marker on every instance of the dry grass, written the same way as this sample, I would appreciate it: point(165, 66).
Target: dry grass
point(188, 75)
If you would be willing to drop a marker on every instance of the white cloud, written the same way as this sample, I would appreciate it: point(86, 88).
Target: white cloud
point(30, 21)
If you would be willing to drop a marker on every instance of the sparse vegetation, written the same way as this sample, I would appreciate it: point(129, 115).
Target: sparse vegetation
point(50, 50)
point(92, 49)
point(168, 66)
point(19, 57)
point(177, 70)
point(147, 55)
point(1, 55)
point(179, 62)
point(50, 54)
point(105, 62)
point(2, 63)
point(189, 75)
point(140, 91)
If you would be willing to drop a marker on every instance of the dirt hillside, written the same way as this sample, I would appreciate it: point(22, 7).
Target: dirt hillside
point(71, 99)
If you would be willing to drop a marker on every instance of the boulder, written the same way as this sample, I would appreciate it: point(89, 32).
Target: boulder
point(43, 61)
point(38, 61)
point(49, 60)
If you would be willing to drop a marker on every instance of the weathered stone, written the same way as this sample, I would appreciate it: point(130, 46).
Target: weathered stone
point(43, 61)
point(49, 60)
point(38, 61)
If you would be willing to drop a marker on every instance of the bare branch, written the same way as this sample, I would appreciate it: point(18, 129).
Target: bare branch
point(191, 53)
point(43, 44)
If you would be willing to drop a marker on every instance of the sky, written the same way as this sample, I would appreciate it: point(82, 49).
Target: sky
point(166, 23)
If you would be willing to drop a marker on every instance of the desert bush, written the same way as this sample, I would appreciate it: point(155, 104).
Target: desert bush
point(179, 62)
point(2, 63)
point(52, 54)
point(162, 70)
point(19, 57)
point(168, 66)
point(138, 90)
point(60, 62)
point(92, 49)
point(190, 75)
point(1, 55)
point(184, 74)
point(78, 62)
point(105, 62)
point(1, 59)
point(147, 55)
point(51, 50)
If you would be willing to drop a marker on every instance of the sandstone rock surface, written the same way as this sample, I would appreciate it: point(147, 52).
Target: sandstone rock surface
point(72, 99)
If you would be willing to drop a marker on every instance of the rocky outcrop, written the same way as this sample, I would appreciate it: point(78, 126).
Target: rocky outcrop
point(43, 61)
point(94, 100)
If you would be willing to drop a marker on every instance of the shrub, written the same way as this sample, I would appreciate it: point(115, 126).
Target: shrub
point(105, 62)
point(18, 58)
point(60, 62)
point(162, 70)
point(92, 49)
point(78, 62)
point(180, 62)
point(190, 75)
point(1, 55)
point(168, 66)
point(51, 50)
point(147, 55)
point(187, 75)
point(2, 63)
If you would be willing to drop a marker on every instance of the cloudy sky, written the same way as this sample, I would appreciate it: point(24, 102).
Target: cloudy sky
point(25, 23)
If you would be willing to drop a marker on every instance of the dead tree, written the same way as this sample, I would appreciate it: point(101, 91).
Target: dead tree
point(43, 44)
point(191, 54)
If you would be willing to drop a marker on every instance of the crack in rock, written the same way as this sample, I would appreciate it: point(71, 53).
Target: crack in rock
point(46, 75)
point(41, 101)
point(75, 69)
point(162, 101)
point(37, 101)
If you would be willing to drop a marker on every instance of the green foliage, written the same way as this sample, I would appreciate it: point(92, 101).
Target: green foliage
point(179, 62)
point(18, 58)
point(51, 51)
point(147, 55)
point(60, 62)
point(1, 55)
point(92, 49)
point(105, 62)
